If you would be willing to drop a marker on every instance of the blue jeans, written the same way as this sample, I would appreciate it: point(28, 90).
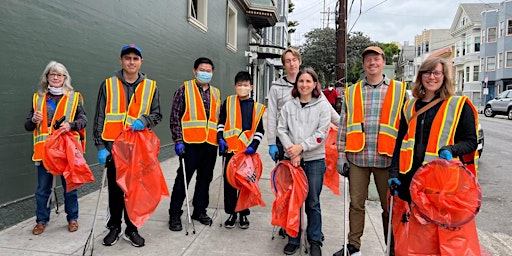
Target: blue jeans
point(43, 191)
point(315, 170)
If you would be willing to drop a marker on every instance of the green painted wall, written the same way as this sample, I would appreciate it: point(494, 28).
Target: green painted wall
point(86, 36)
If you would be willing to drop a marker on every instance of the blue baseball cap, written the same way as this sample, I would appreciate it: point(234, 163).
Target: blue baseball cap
point(131, 48)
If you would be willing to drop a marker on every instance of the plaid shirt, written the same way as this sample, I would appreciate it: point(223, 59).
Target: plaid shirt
point(373, 98)
point(178, 109)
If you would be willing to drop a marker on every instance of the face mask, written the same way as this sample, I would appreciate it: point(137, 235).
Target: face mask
point(242, 91)
point(55, 90)
point(204, 77)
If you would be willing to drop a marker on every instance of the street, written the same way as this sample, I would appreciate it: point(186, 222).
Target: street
point(494, 174)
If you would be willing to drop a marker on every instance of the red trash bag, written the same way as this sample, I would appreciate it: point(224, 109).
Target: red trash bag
point(290, 187)
point(400, 225)
point(63, 155)
point(138, 173)
point(331, 176)
point(445, 200)
point(243, 173)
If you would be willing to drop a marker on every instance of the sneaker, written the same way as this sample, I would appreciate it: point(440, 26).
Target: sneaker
point(112, 236)
point(230, 222)
point(38, 228)
point(352, 251)
point(134, 238)
point(315, 249)
point(244, 222)
point(203, 218)
point(175, 223)
point(290, 249)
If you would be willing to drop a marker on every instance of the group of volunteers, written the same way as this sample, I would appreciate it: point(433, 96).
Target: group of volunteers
point(380, 132)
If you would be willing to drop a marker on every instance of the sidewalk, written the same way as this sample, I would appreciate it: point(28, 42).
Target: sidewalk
point(215, 240)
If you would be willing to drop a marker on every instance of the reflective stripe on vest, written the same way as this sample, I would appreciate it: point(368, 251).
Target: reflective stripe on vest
point(195, 127)
point(66, 107)
point(118, 113)
point(444, 126)
point(235, 138)
point(389, 119)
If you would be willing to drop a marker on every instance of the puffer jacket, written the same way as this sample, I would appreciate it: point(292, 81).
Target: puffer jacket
point(306, 126)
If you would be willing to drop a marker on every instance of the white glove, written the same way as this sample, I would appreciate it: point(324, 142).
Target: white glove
point(342, 165)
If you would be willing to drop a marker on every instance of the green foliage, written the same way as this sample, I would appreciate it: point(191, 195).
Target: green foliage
point(319, 53)
point(390, 50)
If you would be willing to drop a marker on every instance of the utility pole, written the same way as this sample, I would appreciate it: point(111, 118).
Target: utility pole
point(341, 44)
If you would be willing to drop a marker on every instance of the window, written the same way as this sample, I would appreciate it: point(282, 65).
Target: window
point(197, 14)
point(231, 30)
point(491, 62)
point(501, 28)
point(426, 46)
point(475, 72)
point(509, 27)
point(464, 48)
point(477, 43)
point(500, 59)
point(508, 63)
point(491, 35)
point(468, 44)
point(467, 74)
point(279, 36)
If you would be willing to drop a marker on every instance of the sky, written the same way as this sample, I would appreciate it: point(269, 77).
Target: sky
point(384, 21)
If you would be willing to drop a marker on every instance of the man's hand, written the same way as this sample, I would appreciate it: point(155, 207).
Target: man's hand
point(342, 166)
point(249, 150)
point(394, 183)
point(223, 147)
point(180, 149)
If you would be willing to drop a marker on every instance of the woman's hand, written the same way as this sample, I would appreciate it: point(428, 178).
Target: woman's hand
point(294, 151)
point(295, 161)
point(65, 126)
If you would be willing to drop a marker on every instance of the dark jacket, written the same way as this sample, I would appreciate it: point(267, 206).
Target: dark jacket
point(149, 121)
point(465, 142)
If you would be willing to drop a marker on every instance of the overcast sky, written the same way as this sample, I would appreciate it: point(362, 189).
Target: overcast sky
point(382, 20)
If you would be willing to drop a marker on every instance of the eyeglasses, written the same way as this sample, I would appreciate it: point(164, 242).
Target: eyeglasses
point(427, 74)
point(56, 75)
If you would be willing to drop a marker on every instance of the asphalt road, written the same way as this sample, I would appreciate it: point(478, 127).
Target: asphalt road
point(495, 176)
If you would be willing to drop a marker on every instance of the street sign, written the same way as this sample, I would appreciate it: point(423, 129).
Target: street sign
point(486, 91)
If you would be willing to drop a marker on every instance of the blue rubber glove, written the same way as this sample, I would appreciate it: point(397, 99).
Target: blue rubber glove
point(102, 155)
point(138, 125)
point(180, 149)
point(393, 185)
point(273, 152)
point(445, 154)
point(223, 147)
point(249, 150)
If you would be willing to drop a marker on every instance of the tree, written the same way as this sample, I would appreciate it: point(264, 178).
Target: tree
point(319, 53)
point(390, 50)
point(291, 23)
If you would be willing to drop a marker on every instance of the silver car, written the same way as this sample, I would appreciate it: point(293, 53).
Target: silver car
point(501, 105)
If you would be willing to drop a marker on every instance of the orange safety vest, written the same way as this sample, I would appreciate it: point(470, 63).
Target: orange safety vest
point(195, 127)
point(389, 118)
point(443, 127)
point(235, 138)
point(66, 107)
point(117, 115)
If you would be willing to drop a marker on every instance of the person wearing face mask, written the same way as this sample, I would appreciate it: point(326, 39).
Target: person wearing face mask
point(241, 133)
point(55, 99)
point(193, 123)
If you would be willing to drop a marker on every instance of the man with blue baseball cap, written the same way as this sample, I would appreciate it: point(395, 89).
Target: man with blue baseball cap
point(114, 101)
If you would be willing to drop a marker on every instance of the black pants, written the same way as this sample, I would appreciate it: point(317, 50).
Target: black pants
point(230, 193)
point(200, 157)
point(116, 200)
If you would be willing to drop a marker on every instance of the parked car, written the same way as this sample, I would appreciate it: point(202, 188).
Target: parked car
point(501, 105)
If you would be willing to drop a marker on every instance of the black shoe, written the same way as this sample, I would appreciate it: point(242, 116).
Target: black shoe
point(352, 250)
point(315, 248)
point(290, 249)
point(230, 222)
point(175, 223)
point(134, 238)
point(112, 236)
point(203, 218)
point(244, 222)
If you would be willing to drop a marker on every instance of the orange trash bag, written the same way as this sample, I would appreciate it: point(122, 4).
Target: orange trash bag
point(445, 200)
point(243, 173)
point(290, 187)
point(331, 176)
point(138, 173)
point(63, 155)
point(400, 225)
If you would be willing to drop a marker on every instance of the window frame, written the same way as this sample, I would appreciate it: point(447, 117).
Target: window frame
point(508, 58)
point(489, 39)
point(231, 27)
point(201, 19)
point(487, 63)
point(476, 71)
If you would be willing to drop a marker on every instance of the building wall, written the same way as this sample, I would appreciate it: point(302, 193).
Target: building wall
point(86, 36)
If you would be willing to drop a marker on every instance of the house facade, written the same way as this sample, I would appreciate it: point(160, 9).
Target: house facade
point(86, 36)
point(428, 42)
point(495, 71)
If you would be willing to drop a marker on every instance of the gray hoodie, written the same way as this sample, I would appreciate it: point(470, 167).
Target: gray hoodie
point(306, 126)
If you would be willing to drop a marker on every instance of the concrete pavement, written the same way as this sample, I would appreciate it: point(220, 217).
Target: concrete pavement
point(208, 240)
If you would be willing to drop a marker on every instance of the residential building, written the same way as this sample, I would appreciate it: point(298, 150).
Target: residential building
point(86, 36)
point(495, 70)
point(466, 31)
point(428, 42)
point(405, 64)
